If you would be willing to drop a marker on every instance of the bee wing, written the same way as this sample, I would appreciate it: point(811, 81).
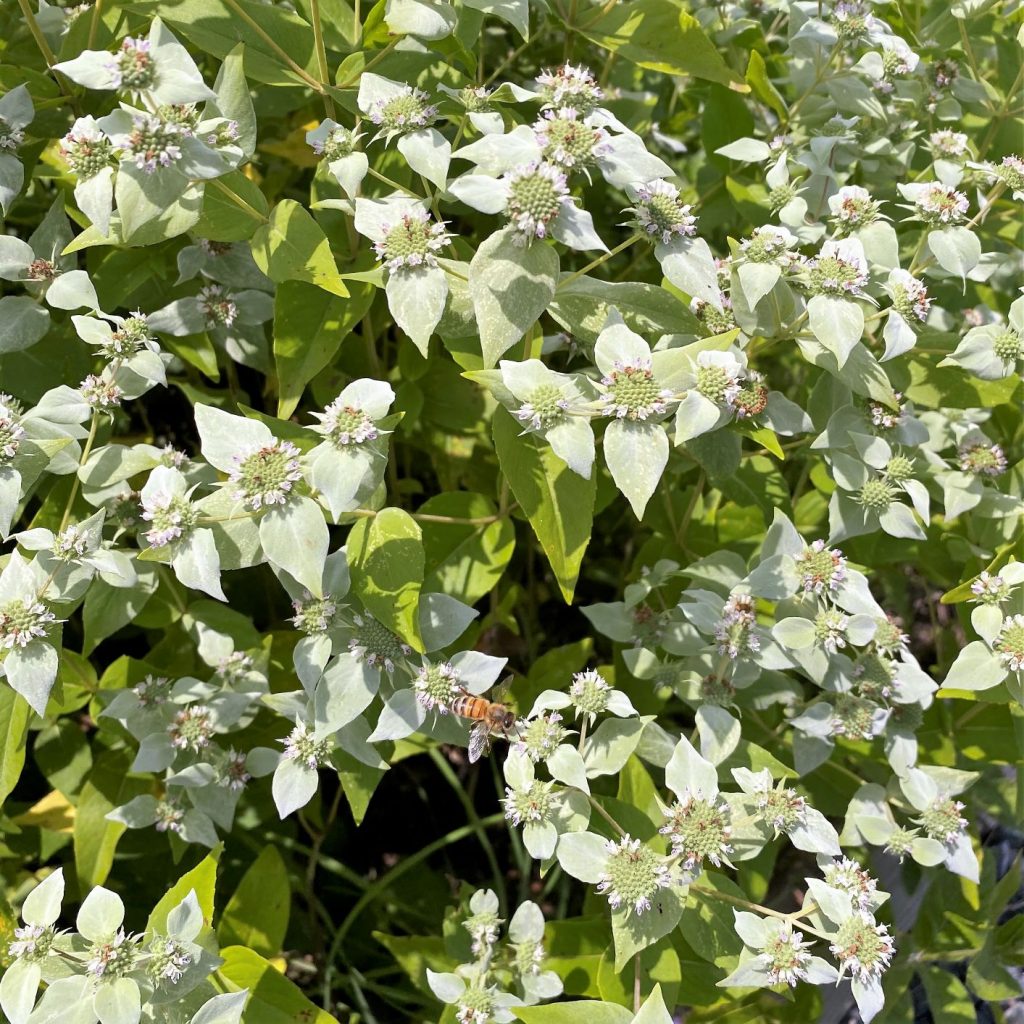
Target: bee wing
point(479, 741)
point(500, 691)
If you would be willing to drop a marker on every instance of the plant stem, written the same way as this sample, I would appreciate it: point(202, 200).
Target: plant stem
point(601, 259)
point(76, 482)
point(238, 200)
point(607, 817)
point(48, 54)
point(301, 72)
point(374, 891)
point(321, 54)
point(757, 908)
point(94, 24)
point(636, 983)
point(394, 184)
point(442, 765)
point(352, 79)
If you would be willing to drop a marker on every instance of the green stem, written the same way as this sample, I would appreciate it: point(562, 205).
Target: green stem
point(394, 184)
point(94, 24)
point(1017, 714)
point(76, 482)
point(442, 765)
point(757, 908)
point(601, 259)
point(351, 80)
point(300, 71)
point(237, 200)
point(321, 54)
point(48, 54)
point(607, 817)
point(376, 890)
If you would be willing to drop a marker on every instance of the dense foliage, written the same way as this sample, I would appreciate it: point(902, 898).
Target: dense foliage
point(511, 511)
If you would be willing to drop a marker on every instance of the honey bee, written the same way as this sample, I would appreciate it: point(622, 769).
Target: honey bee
point(490, 716)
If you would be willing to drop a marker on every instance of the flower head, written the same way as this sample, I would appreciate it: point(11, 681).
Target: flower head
point(217, 305)
point(346, 423)
point(151, 143)
point(631, 392)
point(838, 269)
point(437, 685)
point(405, 111)
point(990, 589)
point(541, 736)
point(12, 433)
point(530, 804)
point(536, 194)
point(941, 820)
point(589, 692)
point(172, 515)
point(734, 633)
point(633, 874)
point(821, 569)
point(191, 729)
point(301, 745)
point(863, 946)
point(718, 377)
point(336, 142)
point(909, 296)
point(566, 139)
point(660, 213)
point(981, 458)
point(22, 621)
point(114, 958)
point(168, 959)
point(948, 143)
point(786, 957)
point(1009, 643)
point(768, 244)
point(264, 475)
point(376, 644)
point(100, 393)
point(569, 86)
point(32, 942)
point(86, 149)
point(853, 207)
point(849, 877)
point(545, 407)
point(132, 67)
point(699, 828)
point(941, 204)
point(314, 615)
point(412, 242)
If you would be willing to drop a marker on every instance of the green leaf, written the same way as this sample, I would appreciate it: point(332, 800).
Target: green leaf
point(233, 208)
point(273, 998)
point(359, 781)
point(95, 839)
point(635, 932)
point(762, 86)
point(586, 1011)
point(511, 286)
point(558, 502)
point(309, 326)
point(202, 880)
point(109, 608)
point(582, 308)
point(257, 914)
point(661, 36)
point(216, 29)
point(387, 561)
point(291, 246)
point(463, 560)
point(14, 717)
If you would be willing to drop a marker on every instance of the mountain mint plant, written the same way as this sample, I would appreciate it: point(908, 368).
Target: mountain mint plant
point(511, 512)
